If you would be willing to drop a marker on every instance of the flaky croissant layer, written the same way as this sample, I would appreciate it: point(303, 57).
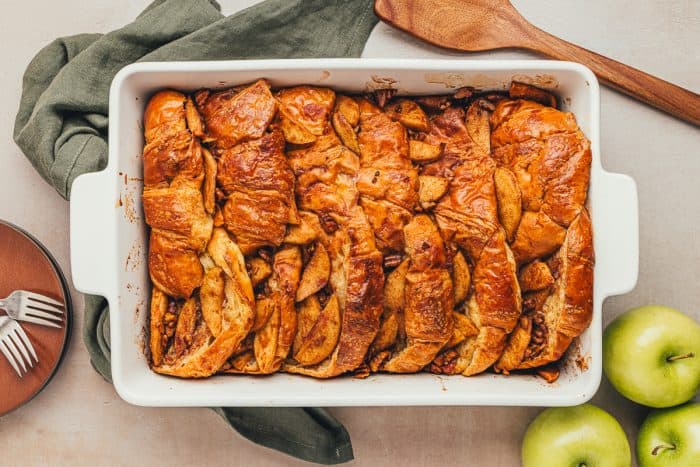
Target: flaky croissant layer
point(321, 234)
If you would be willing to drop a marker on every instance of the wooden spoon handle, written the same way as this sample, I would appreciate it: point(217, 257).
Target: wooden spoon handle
point(654, 91)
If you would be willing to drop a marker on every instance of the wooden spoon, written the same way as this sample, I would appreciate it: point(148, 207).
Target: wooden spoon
point(478, 25)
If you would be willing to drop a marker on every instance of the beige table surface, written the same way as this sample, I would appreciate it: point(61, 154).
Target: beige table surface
point(80, 420)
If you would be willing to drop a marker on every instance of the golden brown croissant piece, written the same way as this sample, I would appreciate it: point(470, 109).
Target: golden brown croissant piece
point(494, 306)
point(551, 159)
point(387, 181)
point(172, 201)
point(237, 115)
point(468, 216)
point(326, 172)
point(259, 186)
point(357, 280)
point(174, 267)
point(448, 131)
point(554, 316)
point(195, 337)
point(468, 213)
point(173, 173)
point(252, 170)
point(304, 112)
point(178, 211)
point(276, 330)
point(428, 300)
point(169, 155)
point(209, 336)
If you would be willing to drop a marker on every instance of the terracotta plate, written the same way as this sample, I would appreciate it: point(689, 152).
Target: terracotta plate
point(25, 264)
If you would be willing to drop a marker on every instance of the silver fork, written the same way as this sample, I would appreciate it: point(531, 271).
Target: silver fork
point(15, 345)
point(34, 308)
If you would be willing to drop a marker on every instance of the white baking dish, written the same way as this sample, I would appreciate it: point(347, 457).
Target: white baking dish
point(109, 237)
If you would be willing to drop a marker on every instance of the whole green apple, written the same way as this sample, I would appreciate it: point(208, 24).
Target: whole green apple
point(651, 355)
point(575, 437)
point(670, 437)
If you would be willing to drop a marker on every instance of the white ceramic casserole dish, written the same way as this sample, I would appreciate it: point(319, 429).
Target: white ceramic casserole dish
point(109, 236)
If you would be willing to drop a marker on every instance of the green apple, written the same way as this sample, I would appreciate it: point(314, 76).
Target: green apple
point(575, 437)
point(670, 437)
point(651, 355)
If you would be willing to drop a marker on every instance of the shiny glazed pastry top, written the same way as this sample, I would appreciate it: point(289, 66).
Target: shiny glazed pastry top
point(321, 234)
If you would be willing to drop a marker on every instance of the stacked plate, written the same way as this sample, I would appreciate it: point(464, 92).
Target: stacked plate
point(26, 265)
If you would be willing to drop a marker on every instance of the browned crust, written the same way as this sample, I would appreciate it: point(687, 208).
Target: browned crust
point(526, 91)
point(204, 354)
point(538, 236)
point(387, 180)
point(284, 283)
point(233, 116)
point(326, 172)
point(535, 276)
point(429, 299)
point(497, 302)
point(178, 210)
point(487, 349)
point(428, 306)
point(259, 184)
point(516, 346)
point(548, 154)
point(167, 157)
point(172, 201)
point(360, 323)
point(164, 115)
point(174, 268)
point(569, 309)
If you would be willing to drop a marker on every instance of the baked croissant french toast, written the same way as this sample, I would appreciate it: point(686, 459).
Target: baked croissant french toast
point(425, 309)
point(304, 231)
point(187, 337)
point(326, 172)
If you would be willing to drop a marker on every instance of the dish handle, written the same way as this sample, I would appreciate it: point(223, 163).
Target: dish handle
point(92, 231)
point(616, 234)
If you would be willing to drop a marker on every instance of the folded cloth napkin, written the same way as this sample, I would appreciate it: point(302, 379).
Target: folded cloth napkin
point(61, 127)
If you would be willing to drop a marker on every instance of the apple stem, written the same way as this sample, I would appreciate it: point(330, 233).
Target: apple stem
point(662, 447)
point(673, 358)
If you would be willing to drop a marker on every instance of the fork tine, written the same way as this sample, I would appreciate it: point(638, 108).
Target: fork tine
point(9, 358)
point(11, 345)
point(42, 298)
point(28, 344)
point(45, 307)
point(21, 346)
point(40, 321)
point(42, 313)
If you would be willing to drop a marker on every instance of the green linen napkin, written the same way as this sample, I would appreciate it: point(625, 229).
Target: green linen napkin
point(61, 127)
